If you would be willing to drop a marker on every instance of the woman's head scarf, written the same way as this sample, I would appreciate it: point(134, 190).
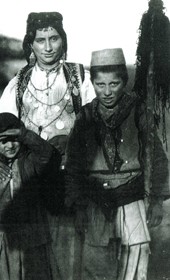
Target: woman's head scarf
point(41, 20)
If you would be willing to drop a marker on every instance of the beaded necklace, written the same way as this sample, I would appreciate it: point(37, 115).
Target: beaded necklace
point(67, 106)
point(56, 69)
point(40, 128)
point(53, 104)
point(71, 71)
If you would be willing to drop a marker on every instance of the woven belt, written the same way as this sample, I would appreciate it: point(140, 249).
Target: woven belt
point(112, 181)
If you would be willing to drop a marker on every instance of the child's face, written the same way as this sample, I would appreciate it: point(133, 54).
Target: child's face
point(9, 146)
point(109, 88)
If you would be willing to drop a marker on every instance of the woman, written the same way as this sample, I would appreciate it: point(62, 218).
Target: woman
point(48, 92)
point(46, 95)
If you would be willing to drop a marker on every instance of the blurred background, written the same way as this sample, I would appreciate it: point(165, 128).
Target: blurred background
point(90, 25)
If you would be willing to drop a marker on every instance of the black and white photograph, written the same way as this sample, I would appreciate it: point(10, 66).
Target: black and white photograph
point(85, 140)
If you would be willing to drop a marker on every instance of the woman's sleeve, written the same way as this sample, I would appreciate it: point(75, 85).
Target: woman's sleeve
point(87, 90)
point(40, 157)
point(75, 164)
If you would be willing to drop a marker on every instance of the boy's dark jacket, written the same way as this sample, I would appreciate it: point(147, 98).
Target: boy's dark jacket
point(128, 123)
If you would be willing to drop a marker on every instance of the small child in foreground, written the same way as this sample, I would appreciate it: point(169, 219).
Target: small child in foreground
point(26, 164)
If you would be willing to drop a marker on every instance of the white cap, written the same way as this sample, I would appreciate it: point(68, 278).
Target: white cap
point(108, 57)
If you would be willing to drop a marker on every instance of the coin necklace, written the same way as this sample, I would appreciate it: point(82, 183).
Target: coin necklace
point(59, 123)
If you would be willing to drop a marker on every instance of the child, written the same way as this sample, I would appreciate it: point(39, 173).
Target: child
point(28, 162)
point(105, 183)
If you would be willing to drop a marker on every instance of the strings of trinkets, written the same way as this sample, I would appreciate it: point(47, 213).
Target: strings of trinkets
point(63, 104)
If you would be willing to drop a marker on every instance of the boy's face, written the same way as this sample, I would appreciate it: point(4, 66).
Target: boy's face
point(109, 88)
point(9, 146)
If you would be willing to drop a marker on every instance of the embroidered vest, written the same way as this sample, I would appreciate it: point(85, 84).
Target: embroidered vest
point(73, 72)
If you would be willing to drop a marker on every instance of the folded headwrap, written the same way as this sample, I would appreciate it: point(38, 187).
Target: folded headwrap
point(43, 19)
point(37, 21)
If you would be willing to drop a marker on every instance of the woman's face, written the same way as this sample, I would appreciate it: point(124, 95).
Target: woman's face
point(108, 88)
point(47, 47)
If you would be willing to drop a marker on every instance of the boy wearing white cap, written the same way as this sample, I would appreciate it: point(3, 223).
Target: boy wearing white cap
point(106, 176)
